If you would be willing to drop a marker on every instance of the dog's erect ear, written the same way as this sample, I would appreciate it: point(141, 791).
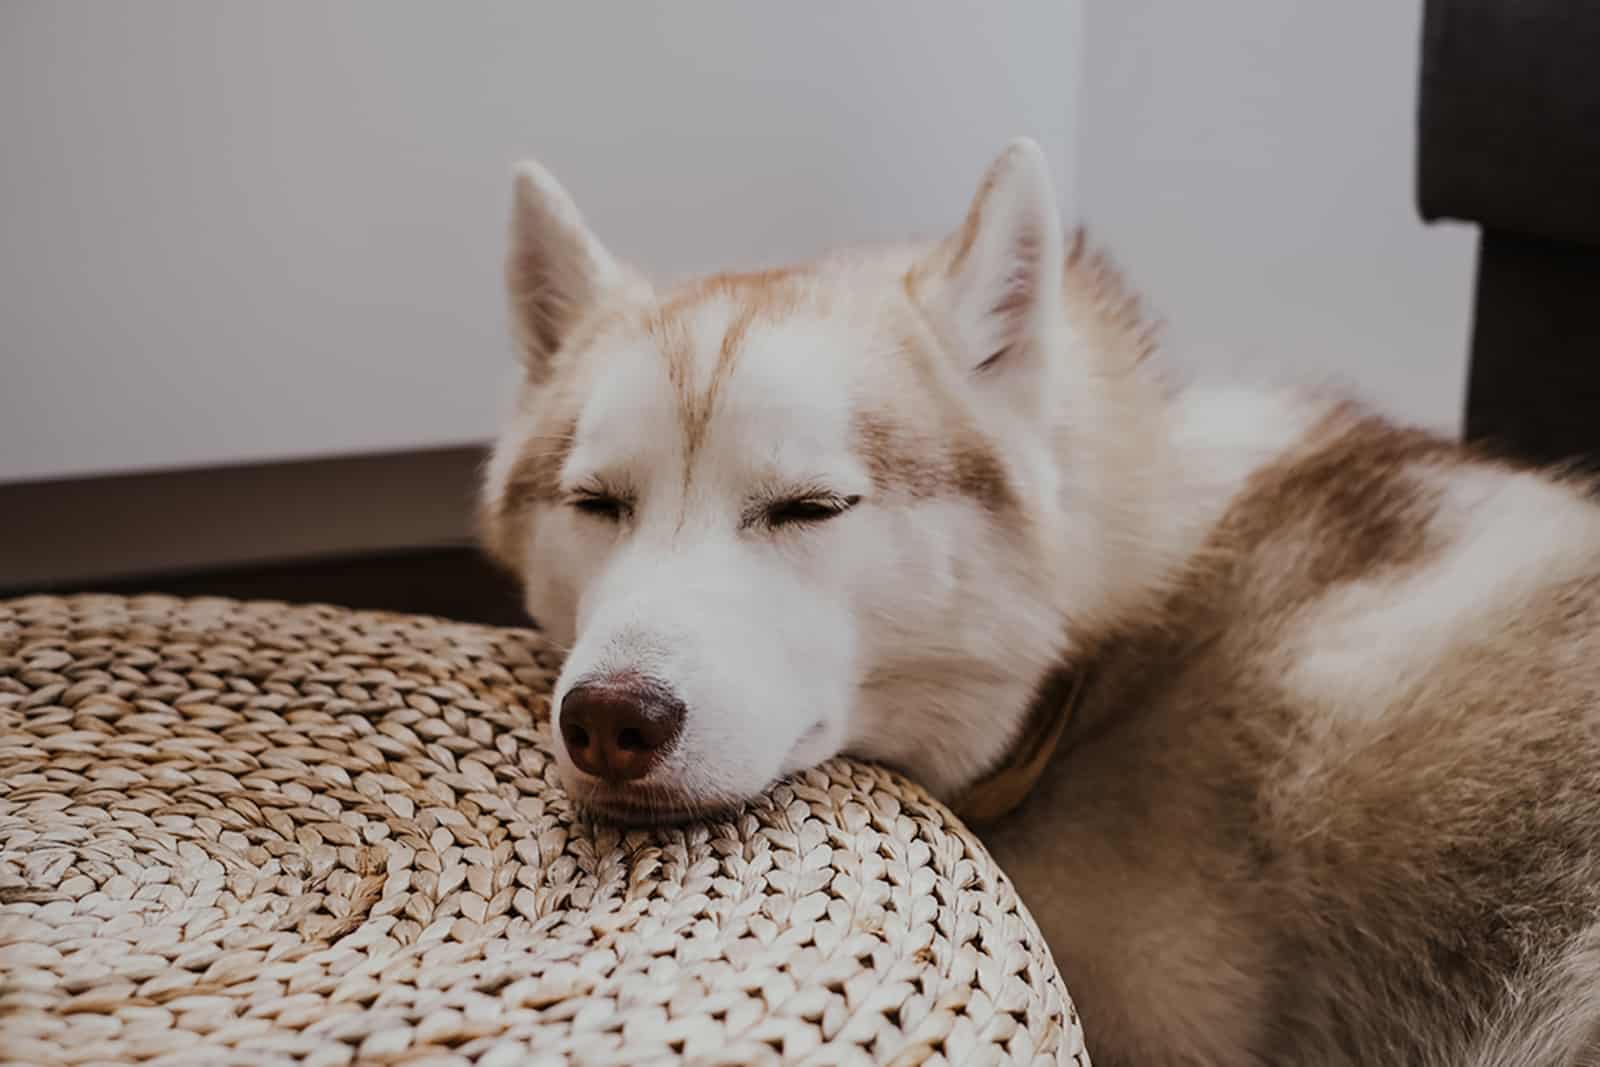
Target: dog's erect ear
point(1003, 267)
point(555, 268)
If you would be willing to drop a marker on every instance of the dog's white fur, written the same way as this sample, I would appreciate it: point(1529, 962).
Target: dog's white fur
point(1300, 621)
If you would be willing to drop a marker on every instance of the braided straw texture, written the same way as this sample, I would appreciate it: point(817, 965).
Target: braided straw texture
point(251, 833)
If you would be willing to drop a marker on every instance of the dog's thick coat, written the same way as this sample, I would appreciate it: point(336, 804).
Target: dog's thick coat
point(1332, 793)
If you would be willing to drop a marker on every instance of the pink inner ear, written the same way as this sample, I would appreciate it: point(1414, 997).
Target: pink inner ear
point(546, 282)
point(545, 307)
point(1017, 295)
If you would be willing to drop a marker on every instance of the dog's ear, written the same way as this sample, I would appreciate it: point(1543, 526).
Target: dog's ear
point(555, 267)
point(1002, 270)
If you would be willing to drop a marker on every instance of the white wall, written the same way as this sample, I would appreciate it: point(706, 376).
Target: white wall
point(247, 231)
point(250, 231)
point(1250, 163)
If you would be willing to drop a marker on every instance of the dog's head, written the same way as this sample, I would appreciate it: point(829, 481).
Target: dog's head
point(784, 515)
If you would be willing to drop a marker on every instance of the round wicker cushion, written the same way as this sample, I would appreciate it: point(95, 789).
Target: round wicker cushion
point(257, 833)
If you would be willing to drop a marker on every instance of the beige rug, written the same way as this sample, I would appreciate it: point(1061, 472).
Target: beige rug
point(242, 833)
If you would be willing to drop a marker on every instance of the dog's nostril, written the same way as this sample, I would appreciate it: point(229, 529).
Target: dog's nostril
point(618, 728)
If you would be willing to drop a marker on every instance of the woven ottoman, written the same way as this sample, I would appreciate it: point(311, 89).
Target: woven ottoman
point(242, 833)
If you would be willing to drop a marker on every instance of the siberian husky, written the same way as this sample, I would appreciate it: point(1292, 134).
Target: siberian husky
point(1285, 720)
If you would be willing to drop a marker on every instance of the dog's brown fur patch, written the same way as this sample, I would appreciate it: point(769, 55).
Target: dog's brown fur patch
point(907, 464)
point(1387, 872)
point(535, 479)
point(927, 446)
point(1352, 495)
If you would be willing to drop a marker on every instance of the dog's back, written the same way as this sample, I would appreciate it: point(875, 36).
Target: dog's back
point(1341, 798)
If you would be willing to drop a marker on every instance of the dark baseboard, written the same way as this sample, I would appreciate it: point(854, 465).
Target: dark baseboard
point(386, 532)
point(451, 581)
point(205, 520)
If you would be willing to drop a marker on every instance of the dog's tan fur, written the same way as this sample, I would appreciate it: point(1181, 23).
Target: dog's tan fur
point(1345, 884)
point(1332, 793)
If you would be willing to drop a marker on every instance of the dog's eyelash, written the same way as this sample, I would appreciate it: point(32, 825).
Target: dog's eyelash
point(795, 511)
point(600, 504)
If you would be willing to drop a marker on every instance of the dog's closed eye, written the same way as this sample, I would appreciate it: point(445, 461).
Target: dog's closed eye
point(600, 505)
point(803, 510)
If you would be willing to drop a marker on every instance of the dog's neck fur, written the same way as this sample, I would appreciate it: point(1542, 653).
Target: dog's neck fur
point(1003, 789)
point(1155, 468)
point(1164, 464)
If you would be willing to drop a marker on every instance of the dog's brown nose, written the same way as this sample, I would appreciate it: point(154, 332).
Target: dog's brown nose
point(618, 729)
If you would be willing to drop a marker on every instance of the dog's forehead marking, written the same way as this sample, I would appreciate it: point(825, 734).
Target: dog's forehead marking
point(696, 334)
point(725, 306)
